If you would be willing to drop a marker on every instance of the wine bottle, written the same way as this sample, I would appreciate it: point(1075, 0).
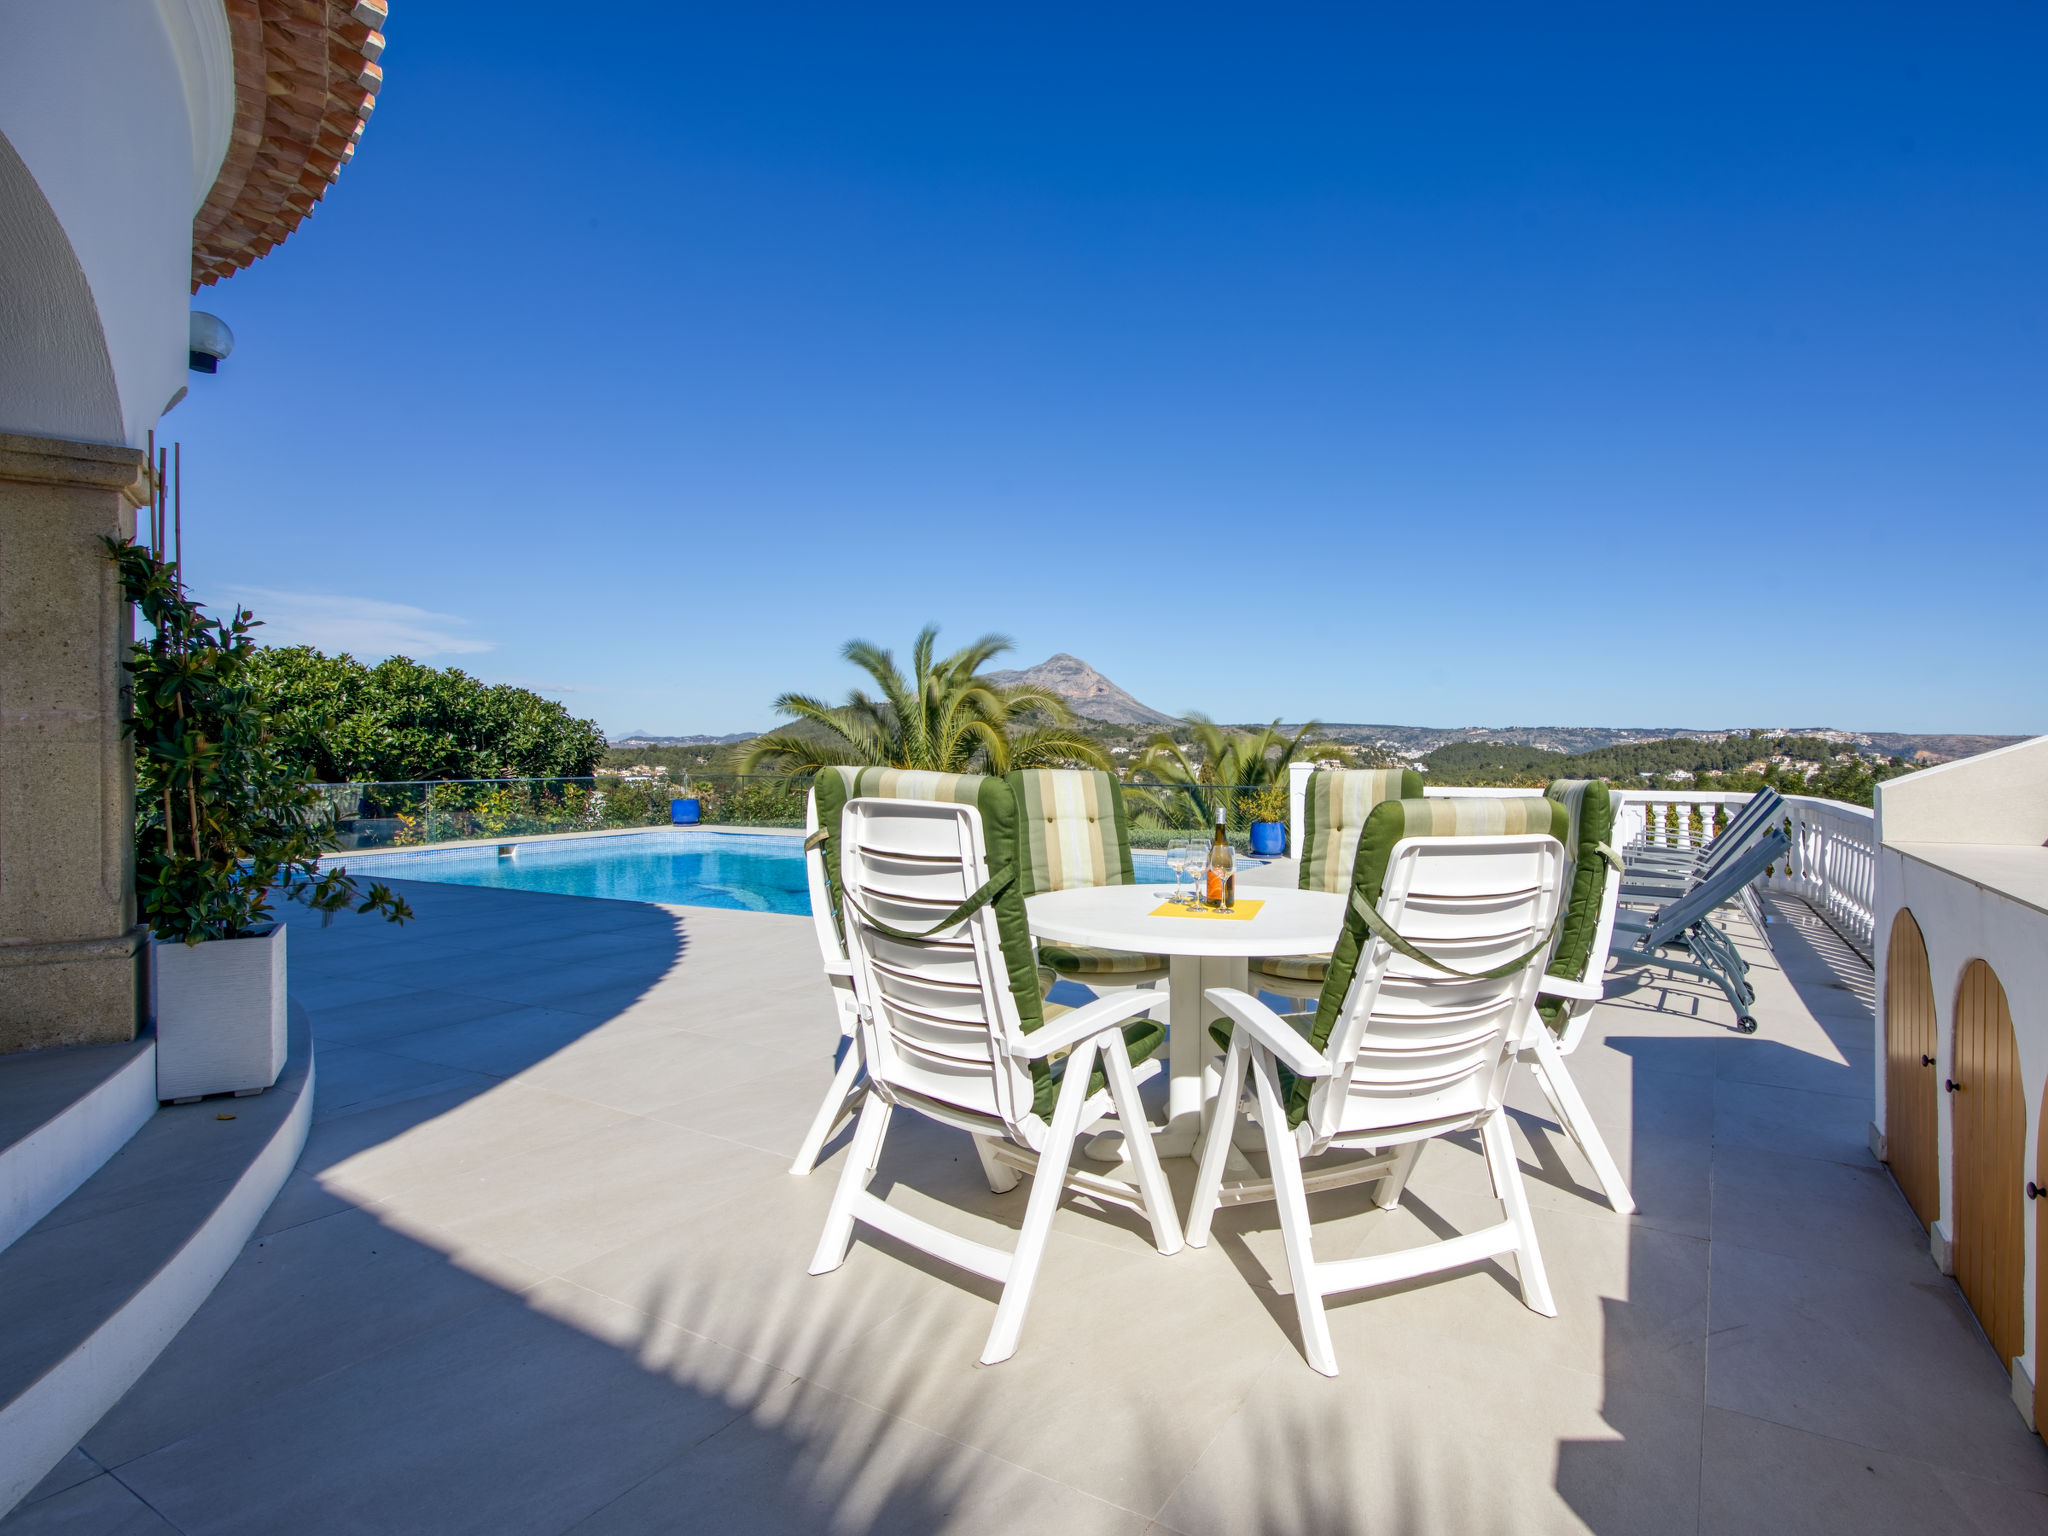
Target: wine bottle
point(1219, 879)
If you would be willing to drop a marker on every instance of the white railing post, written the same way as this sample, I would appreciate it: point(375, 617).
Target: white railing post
point(1830, 860)
point(1833, 865)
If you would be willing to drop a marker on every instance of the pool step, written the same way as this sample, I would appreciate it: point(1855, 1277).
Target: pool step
point(94, 1290)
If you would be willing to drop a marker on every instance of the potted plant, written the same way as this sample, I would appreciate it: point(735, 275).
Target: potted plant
point(1266, 808)
point(686, 810)
point(223, 824)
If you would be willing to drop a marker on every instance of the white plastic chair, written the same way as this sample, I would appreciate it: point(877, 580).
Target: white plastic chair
point(844, 1096)
point(942, 1034)
point(1413, 1053)
point(1545, 1051)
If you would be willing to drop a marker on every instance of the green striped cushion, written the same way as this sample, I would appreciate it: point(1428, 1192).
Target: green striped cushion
point(1386, 825)
point(1293, 967)
point(1074, 830)
point(1571, 794)
point(1334, 809)
point(1142, 1040)
point(833, 787)
point(998, 807)
point(1591, 812)
point(1080, 960)
point(1390, 822)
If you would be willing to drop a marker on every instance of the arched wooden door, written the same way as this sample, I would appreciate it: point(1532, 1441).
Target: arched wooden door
point(2040, 1204)
point(1990, 1120)
point(1911, 1079)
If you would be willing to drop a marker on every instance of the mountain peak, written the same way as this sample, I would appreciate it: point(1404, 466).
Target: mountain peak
point(1086, 691)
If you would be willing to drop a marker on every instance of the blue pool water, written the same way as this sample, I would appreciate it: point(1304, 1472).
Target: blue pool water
point(687, 867)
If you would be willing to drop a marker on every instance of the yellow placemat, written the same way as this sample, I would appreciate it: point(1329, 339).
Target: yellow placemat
point(1243, 912)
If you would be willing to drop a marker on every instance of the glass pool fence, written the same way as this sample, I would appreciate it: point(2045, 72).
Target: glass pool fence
point(416, 813)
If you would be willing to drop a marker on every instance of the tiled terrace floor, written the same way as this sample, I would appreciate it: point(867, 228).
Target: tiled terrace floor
point(542, 1270)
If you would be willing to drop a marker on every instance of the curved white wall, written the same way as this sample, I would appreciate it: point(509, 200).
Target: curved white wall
point(117, 112)
point(1962, 849)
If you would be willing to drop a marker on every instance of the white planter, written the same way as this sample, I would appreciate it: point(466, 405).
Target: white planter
point(219, 1009)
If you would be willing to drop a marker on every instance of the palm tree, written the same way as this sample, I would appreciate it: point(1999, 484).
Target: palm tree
point(945, 717)
point(1222, 757)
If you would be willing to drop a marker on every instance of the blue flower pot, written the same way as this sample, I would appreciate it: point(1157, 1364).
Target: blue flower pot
point(686, 813)
point(1269, 839)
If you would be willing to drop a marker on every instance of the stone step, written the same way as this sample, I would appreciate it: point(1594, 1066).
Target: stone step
point(94, 1290)
point(63, 1113)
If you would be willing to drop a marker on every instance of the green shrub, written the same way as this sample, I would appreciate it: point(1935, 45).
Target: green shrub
point(223, 818)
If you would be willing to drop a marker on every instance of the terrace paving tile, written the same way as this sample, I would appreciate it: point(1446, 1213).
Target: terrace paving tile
point(641, 1074)
point(860, 1469)
point(578, 1199)
point(498, 1045)
point(1849, 1074)
point(597, 989)
point(360, 1077)
point(402, 1013)
point(563, 1287)
point(302, 1304)
point(1818, 1209)
point(343, 989)
point(503, 1421)
point(102, 1506)
point(75, 1468)
point(1792, 1120)
point(1754, 1471)
point(1627, 1096)
point(483, 973)
point(1672, 1180)
point(305, 1199)
point(735, 1273)
point(1099, 1395)
point(769, 1109)
point(379, 1153)
point(1641, 1319)
point(1397, 1443)
point(1997, 1509)
point(1793, 1344)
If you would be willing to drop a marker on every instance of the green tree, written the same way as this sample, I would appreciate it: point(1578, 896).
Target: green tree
point(343, 722)
point(944, 716)
point(223, 820)
point(1224, 756)
point(1217, 756)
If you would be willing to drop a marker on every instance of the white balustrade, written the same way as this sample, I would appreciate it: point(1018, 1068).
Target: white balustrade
point(1663, 818)
point(1831, 864)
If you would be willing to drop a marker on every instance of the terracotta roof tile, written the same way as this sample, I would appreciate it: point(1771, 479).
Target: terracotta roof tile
point(306, 81)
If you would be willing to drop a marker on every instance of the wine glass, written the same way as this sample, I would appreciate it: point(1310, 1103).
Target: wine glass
point(1177, 861)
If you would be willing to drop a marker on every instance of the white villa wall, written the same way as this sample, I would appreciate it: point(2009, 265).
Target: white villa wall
point(115, 119)
point(1999, 799)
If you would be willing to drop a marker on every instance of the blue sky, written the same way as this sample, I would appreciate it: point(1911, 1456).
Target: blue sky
point(1631, 365)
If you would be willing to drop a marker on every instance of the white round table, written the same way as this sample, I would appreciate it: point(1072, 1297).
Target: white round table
point(1204, 953)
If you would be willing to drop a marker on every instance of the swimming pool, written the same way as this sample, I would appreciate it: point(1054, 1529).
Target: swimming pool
point(684, 866)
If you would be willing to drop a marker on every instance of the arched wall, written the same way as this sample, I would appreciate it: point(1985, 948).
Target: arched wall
point(1963, 919)
point(56, 379)
point(119, 116)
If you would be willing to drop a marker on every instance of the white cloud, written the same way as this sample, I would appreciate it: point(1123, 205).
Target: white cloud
point(363, 626)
